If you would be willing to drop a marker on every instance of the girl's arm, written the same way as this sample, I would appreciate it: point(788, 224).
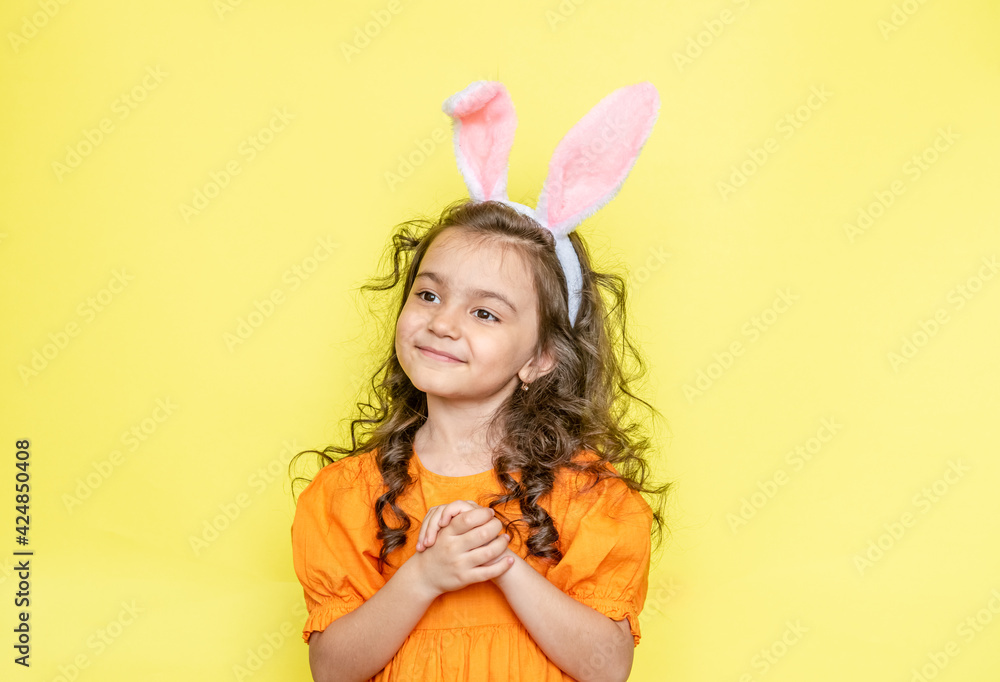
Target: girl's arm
point(584, 643)
point(360, 643)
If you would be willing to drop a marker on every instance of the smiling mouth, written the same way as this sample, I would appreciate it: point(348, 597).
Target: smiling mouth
point(437, 356)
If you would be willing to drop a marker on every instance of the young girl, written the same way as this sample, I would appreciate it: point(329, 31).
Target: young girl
point(491, 523)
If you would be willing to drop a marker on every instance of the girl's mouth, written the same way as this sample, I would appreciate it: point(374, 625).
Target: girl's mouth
point(438, 356)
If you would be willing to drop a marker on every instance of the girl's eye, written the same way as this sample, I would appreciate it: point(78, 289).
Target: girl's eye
point(420, 295)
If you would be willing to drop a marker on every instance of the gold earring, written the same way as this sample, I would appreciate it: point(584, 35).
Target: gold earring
point(524, 386)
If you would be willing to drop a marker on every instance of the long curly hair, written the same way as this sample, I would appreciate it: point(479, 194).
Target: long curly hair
point(584, 403)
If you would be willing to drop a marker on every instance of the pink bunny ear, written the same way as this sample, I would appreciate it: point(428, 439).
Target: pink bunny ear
point(592, 161)
point(483, 122)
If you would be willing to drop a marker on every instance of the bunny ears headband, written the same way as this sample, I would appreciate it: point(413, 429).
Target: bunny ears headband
point(586, 171)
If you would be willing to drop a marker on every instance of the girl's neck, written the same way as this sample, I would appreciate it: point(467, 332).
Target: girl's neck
point(451, 457)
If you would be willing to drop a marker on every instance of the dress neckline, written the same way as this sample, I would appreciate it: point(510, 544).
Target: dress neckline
point(468, 477)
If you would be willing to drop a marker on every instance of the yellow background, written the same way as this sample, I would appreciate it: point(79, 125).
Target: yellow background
point(915, 449)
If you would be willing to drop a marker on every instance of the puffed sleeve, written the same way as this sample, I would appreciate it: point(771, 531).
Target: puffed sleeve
point(605, 540)
point(334, 549)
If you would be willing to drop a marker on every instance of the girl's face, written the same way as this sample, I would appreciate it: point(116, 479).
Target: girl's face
point(476, 304)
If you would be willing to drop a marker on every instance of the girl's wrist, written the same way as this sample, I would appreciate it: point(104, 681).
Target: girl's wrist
point(412, 571)
point(503, 579)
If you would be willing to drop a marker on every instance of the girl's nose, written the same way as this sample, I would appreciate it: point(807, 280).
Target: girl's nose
point(443, 320)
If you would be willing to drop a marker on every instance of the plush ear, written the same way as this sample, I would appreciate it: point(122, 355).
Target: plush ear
point(483, 121)
point(592, 161)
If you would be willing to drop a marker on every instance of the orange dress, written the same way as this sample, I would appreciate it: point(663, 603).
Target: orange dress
point(471, 633)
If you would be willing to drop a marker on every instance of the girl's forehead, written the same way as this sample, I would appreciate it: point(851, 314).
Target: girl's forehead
point(456, 253)
point(477, 267)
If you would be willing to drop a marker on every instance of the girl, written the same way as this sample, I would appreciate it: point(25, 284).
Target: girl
point(500, 429)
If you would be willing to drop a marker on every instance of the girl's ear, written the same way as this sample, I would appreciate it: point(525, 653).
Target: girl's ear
point(483, 123)
point(543, 362)
point(592, 161)
point(546, 361)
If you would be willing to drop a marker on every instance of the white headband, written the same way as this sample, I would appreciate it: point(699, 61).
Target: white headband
point(586, 171)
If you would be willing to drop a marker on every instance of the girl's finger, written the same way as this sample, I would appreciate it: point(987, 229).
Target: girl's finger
point(430, 523)
point(422, 535)
point(452, 512)
point(447, 513)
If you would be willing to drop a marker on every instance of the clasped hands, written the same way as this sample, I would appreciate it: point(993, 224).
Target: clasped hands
point(459, 544)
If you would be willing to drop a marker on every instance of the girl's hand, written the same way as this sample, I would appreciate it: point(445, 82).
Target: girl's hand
point(439, 517)
point(467, 551)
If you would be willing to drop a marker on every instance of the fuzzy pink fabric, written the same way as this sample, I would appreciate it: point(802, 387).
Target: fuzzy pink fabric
point(586, 170)
point(486, 121)
point(593, 159)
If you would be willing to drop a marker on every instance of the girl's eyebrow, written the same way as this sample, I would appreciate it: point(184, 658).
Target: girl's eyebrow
point(477, 293)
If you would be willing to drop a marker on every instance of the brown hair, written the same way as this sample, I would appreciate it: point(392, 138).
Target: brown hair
point(582, 404)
